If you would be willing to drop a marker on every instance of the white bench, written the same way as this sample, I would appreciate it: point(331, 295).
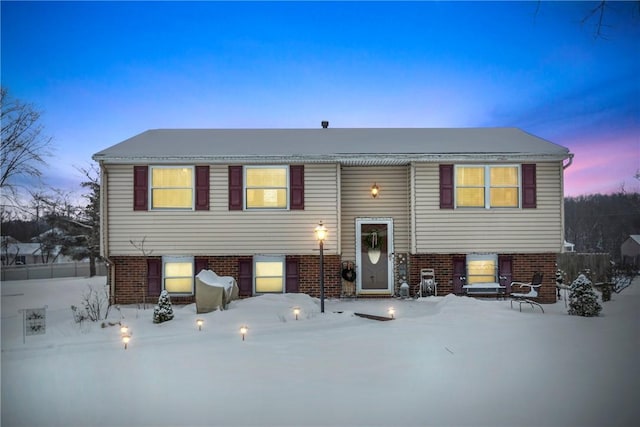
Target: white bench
point(485, 288)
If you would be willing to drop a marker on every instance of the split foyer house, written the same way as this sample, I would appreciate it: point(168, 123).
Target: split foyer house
point(476, 205)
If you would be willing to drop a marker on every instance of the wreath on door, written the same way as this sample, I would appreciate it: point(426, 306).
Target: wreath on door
point(374, 240)
point(348, 272)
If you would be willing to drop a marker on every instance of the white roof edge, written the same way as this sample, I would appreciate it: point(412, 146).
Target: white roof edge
point(382, 159)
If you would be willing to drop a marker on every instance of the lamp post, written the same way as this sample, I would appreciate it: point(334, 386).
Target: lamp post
point(321, 235)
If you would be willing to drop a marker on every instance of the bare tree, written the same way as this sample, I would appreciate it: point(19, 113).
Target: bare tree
point(46, 207)
point(597, 14)
point(24, 147)
point(600, 223)
point(81, 224)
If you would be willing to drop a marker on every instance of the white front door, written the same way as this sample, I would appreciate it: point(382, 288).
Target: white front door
point(374, 245)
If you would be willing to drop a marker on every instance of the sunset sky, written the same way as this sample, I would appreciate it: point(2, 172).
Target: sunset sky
point(102, 72)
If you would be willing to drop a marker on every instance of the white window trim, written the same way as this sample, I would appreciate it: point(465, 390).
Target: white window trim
point(179, 258)
point(483, 257)
point(270, 258)
point(487, 186)
point(193, 186)
point(244, 186)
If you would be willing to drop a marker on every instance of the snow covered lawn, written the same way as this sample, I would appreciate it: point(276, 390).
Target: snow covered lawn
point(451, 361)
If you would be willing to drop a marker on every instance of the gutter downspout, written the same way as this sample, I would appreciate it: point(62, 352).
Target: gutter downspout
point(412, 211)
point(104, 233)
point(339, 209)
point(562, 220)
point(568, 164)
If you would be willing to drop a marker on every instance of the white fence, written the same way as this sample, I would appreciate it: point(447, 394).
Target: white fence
point(50, 271)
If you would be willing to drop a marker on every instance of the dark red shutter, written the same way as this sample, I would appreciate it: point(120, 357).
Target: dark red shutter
point(245, 277)
point(505, 271)
point(202, 188)
point(296, 187)
point(140, 188)
point(154, 277)
point(292, 278)
point(459, 271)
point(235, 188)
point(201, 264)
point(529, 199)
point(446, 186)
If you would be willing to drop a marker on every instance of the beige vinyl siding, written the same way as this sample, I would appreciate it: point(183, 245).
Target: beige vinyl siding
point(508, 230)
point(392, 202)
point(220, 231)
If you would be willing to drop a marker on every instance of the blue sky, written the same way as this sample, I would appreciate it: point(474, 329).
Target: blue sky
point(102, 72)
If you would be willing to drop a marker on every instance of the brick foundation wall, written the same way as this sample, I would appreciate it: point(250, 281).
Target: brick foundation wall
point(523, 267)
point(441, 263)
point(131, 285)
point(131, 276)
point(309, 275)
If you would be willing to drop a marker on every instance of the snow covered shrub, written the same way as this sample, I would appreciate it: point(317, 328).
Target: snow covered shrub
point(163, 311)
point(583, 299)
point(95, 306)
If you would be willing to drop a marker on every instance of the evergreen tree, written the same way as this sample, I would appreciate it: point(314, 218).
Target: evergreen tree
point(163, 311)
point(583, 299)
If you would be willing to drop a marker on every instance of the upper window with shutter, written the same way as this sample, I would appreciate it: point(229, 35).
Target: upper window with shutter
point(483, 186)
point(268, 187)
point(171, 187)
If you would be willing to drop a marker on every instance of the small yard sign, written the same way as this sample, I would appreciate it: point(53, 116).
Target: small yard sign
point(34, 321)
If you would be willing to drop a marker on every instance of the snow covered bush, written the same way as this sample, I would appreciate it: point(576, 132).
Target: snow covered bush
point(583, 299)
point(95, 305)
point(163, 311)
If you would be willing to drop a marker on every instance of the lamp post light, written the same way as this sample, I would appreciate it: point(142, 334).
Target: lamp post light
point(243, 331)
point(296, 311)
point(392, 312)
point(321, 235)
point(199, 322)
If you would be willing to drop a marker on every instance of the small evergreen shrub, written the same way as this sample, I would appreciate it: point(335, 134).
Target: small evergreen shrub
point(583, 299)
point(163, 311)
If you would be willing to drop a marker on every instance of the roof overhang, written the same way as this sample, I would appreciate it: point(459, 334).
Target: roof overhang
point(346, 160)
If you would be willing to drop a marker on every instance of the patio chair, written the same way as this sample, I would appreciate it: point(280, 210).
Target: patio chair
point(526, 298)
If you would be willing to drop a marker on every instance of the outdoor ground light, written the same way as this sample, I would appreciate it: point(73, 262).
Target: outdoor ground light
point(125, 339)
point(375, 190)
point(392, 312)
point(199, 322)
point(296, 311)
point(243, 331)
point(124, 329)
